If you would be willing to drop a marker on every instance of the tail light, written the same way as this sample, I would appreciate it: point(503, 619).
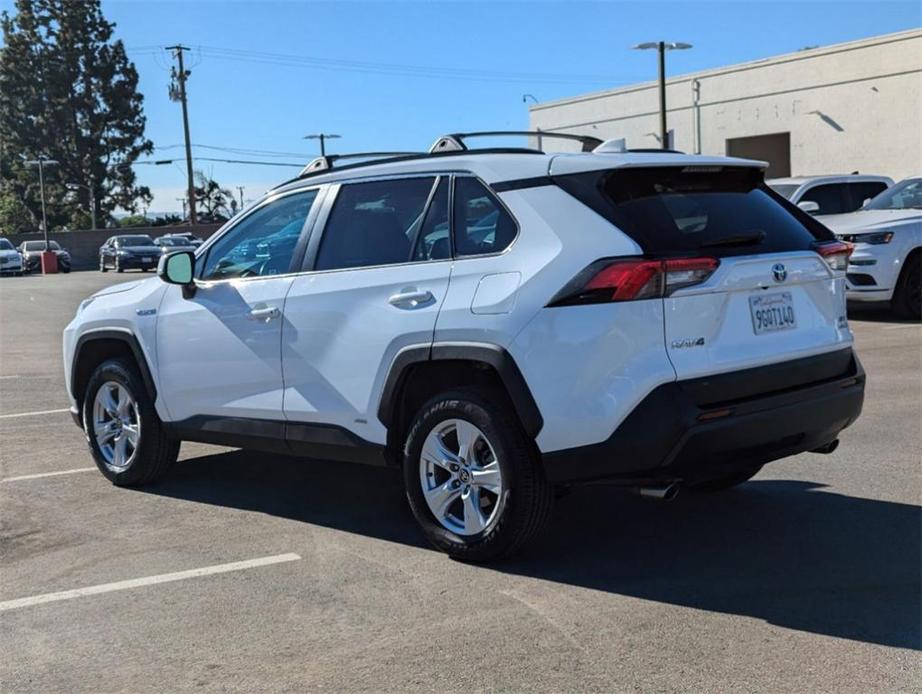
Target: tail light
point(611, 280)
point(835, 253)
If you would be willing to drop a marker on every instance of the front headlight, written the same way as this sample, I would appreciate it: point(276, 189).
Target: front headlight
point(123, 253)
point(876, 238)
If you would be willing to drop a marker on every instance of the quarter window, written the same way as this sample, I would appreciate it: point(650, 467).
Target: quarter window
point(481, 223)
point(263, 243)
point(374, 223)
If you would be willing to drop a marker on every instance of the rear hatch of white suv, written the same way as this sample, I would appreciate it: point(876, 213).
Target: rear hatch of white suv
point(747, 280)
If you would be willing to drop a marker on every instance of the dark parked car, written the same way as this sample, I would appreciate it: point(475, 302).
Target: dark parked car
point(187, 236)
point(131, 251)
point(32, 255)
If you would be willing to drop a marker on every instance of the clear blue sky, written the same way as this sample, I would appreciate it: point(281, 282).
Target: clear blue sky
point(461, 65)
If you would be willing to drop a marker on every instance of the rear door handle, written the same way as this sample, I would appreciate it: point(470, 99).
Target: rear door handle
point(410, 298)
point(265, 313)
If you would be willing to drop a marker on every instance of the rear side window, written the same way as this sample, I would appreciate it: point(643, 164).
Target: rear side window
point(374, 223)
point(830, 197)
point(685, 210)
point(481, 224)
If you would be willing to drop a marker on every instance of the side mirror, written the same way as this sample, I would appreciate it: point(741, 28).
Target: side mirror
point(809, 206)
point(866, 201)
point(178, 268)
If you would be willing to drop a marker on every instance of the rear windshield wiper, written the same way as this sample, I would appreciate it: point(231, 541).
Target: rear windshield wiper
point(736, 240)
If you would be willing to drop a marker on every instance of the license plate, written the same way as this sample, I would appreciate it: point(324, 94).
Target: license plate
point(772, 312)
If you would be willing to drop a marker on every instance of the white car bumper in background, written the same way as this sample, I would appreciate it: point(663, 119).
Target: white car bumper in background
point(873, 271)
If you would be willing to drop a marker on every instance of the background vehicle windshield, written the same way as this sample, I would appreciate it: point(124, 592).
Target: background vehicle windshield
point(40, 246)
point(785, 190)
point(5, 245)
point(165, 241)
point(123, 241)
point(905, 195)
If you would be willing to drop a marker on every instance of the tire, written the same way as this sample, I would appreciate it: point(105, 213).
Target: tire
point(509, 514)
point(153, 453)
point(118, 267)
point(728, 482)
point(907, 299)
point(65, 269)
point(102, 266)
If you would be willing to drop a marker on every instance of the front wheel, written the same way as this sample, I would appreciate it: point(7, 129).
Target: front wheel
point(102, 266)
point(473, 479)
point(125, 435)
point(907, 299)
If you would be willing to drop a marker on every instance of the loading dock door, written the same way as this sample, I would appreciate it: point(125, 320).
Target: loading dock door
point(774, 148)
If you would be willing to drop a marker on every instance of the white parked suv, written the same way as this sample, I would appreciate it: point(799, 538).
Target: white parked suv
point(887, 262)
point(498, 323)
point(826, 195)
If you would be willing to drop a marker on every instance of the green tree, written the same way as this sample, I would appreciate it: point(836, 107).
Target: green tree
point(212, 202)
point(68, 92)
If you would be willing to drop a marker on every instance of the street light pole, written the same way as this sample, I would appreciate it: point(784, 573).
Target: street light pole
point(323, 137)
point(662, 47)
point(41, 162)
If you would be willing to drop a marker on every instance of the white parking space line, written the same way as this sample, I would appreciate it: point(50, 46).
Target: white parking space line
point(36, 476)
point(146, 581)
point(32, 414)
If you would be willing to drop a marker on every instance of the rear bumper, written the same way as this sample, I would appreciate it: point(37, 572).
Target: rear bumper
point(692, 430)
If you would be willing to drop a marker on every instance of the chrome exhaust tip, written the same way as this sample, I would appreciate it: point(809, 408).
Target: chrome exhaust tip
point(665, 492)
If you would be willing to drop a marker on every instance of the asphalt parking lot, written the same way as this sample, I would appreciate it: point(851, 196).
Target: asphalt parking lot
point(253, 572)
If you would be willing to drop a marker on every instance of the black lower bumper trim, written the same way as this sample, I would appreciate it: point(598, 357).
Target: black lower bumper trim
point(691, 430)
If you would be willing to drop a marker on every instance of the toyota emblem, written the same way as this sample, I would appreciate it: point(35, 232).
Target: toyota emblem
point(779, 272)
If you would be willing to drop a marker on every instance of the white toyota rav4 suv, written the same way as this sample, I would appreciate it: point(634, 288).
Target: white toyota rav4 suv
point(498, 323)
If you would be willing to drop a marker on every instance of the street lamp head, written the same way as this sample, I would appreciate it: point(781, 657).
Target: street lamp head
point(668, 45)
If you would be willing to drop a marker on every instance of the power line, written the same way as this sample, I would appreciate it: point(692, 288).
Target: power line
point(162, 162)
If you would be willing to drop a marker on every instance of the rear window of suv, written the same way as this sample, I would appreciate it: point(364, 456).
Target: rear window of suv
point(692, 209)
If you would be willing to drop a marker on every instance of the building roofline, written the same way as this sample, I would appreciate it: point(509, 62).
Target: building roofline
point(802, 54)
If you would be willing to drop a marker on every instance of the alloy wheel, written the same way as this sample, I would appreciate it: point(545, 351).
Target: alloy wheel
point(116, 425)
point(461, 479)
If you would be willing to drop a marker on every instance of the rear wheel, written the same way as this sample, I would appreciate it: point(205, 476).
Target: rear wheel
point(473, 480)
point(125, 435)
point(907, 299)
point(719, 484)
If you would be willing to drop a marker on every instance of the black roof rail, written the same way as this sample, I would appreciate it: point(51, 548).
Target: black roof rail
point(326, 162)
point(455, 141)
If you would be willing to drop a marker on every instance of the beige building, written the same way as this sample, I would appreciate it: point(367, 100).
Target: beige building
point(853, 106)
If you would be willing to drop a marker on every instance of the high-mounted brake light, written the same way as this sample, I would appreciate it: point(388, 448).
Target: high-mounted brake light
point(835, 253)
point(611, 280)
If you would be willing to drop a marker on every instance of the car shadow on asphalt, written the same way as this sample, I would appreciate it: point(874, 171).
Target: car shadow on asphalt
point(787, 552)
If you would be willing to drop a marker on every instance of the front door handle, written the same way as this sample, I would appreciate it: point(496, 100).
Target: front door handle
point(265, 313)
point(410, 298)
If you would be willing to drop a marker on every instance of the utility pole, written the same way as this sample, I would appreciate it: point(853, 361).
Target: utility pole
point(240, 190)
point(661, 47)
point(323, 137)
point(178, 92)
point(183, 201)
point(41, 162)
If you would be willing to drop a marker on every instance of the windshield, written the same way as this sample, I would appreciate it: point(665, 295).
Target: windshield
point(785, 190)
point(164, 241)
point(905, 195)
point(40, 246)
point(6, 245)
point(123, 241)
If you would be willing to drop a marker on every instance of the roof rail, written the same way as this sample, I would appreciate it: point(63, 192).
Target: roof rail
point(455, 141)
point(326, 162)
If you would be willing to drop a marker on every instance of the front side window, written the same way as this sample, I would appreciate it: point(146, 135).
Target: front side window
point(263, 243)
point(482, 225)
point(374, 223)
